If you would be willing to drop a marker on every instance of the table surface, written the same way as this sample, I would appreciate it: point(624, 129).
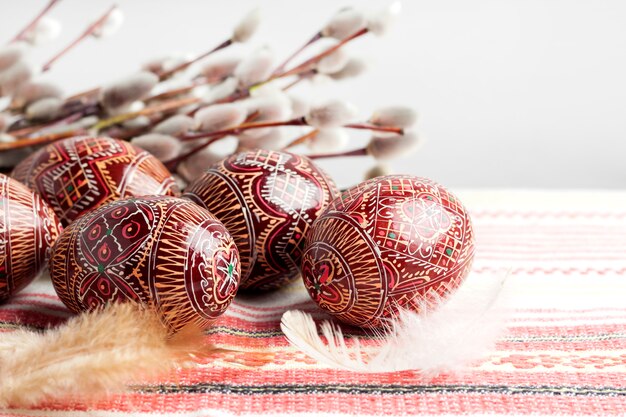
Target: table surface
point(564, 352)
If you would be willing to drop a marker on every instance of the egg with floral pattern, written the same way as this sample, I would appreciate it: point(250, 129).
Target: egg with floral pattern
point(163, 252)
point(391, 242)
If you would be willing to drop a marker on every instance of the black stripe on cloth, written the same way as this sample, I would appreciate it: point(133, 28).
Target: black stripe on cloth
point(205, 388)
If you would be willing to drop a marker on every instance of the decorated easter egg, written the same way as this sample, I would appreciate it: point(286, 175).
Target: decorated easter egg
point(267, 200)
point(160, 251)
point(28, 229)
point(392, 242)
point(78, 174)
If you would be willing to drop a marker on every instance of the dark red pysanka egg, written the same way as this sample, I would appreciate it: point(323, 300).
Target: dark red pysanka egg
point(390, 242)
point(267, 200)
point(164, 252)
point(78, 174)
point(28, 229)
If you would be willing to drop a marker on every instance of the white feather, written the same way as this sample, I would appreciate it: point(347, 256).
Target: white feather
point(446, 337)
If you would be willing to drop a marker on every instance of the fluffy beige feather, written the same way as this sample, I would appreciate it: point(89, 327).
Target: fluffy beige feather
point(90, 355)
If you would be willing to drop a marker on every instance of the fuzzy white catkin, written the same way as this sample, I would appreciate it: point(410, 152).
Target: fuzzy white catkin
point(46, 30)
point(176, 125)
point(220, 116)
point(217, 69)
point(15, 76)
point(377, 170)
point(110, 25)
point(394, 116)
point(334, 62)
point(384, 148)
point(272, 139)
point(344, 23)
point(334, 113)
point(11, 53)
point(163, 147)
point(44, 109)
point(32, 91)
point(268, 108)
point(328, 140)
point(353, 68)
point(255, 68)
point(133, 107)
point(379, 23)
point(247, 26)
point(196, 164)
point(221, 90)
point(128, 90)
point(299, 106)
point(5, 122)
point(158, 65)
point(271, 107)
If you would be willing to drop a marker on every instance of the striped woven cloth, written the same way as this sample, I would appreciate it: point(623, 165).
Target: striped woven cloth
point(564, 352)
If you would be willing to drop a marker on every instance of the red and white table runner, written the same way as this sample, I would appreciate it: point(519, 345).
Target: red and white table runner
point(564, 352)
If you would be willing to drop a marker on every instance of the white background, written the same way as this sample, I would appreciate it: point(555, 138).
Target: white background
point(511, 93)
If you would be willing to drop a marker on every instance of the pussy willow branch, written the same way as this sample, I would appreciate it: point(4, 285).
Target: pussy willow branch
point(90, 29)
point(166, 74)
point(40, 140)
point(355, 152)
point(173, 163)
point(240, 94)
point(306, 65)
point(302, 139)
point(36, 20)
point(286, 62)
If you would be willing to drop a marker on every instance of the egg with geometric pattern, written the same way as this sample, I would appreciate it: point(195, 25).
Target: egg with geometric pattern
point(164, 252)
point(393, 242)
point(78, 174)
point(267, 200)
point(28, 229)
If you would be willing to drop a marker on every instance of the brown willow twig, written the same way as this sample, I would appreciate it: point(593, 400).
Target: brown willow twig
point(173, 163)
point(166, 74)
point(355, 152)
point(90, 29)
point(375, 128)
point(310, 42)
point(36, 20)
point(313, 60)
point(162, 107)
point(302, 139)
point(40, 140)
point(243, 127)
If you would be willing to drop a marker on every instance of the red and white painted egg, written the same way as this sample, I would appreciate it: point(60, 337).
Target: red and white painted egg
point(391, 242)
point(267, 200)
point(28, 229)
point(78, 174)
point(163, 252)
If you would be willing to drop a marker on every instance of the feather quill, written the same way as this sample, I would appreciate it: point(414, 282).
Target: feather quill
point(90, 355)
point(444, 336)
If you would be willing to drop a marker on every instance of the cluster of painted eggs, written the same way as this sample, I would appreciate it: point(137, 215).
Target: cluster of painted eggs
point(255, 220)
